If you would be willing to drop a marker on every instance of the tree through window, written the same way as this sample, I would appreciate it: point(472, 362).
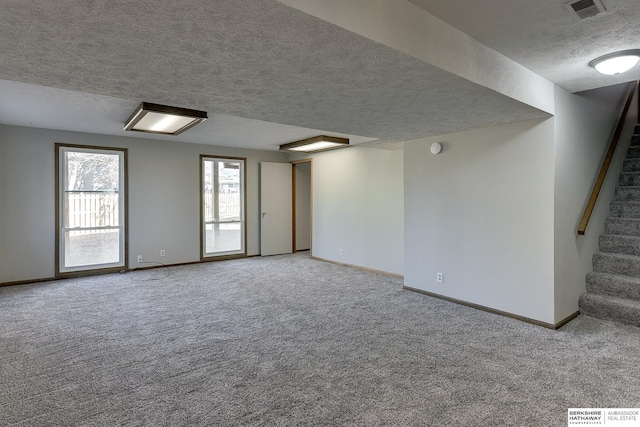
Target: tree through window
point(91, 208)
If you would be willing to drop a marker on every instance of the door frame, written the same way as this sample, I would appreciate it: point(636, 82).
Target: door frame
point(293, 202)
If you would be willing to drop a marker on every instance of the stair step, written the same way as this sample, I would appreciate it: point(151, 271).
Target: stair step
point(613, 288)
point(610, 308)
point(631, 165)
point(629, 178)
point(628, 194)
point(633, 152)
point(620, 264)
point(624, 209)
point(614, 285)
point(622, 226)
point(617, 244)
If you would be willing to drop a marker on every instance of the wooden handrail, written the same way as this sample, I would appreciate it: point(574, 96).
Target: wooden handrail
point(588, 210)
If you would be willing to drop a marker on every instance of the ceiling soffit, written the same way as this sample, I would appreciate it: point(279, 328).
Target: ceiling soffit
point(262, 61)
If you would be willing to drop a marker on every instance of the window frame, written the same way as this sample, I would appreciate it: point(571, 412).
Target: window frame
point(123, 195)
point(204, 256)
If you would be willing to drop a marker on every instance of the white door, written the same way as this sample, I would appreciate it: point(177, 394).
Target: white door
point(275, 209)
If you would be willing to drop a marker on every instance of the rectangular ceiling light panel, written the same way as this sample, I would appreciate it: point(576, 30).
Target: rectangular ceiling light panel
point(163, 119)
point(316, 144)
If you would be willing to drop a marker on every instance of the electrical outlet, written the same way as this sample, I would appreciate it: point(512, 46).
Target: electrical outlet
point(139, 258)
point(340, 252)
point(162, 252)
point(440, 277)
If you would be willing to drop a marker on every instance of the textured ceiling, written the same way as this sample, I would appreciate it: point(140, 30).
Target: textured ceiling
point(236, 59)
point(269, 74)
point(544, 37)
point(60, 109)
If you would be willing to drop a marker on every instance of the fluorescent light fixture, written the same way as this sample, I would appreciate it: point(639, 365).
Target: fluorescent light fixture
point(163, 119)
point(316, 144)
point(616, 63)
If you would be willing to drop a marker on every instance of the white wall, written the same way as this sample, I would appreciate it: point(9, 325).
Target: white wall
point(303, 205)
point(163, 198)
point(27, 247)
point(585, 123)
point(481, 212)
point(358, 207)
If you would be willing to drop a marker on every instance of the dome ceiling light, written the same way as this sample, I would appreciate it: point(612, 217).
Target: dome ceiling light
point(616, 63)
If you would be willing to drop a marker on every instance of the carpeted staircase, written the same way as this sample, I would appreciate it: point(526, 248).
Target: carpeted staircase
point(613, 288)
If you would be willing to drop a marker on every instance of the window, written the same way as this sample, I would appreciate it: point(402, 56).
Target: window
point(90, 212)
point(223, 227)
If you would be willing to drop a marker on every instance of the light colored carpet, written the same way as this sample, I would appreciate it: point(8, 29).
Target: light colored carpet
point(287, 340)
